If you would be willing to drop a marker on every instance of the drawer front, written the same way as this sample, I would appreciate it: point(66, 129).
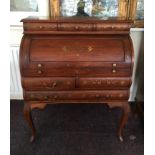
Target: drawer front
point(112, 27)
point(40, 27)
point(46, 84)
point(104, 83)
point(87, 72)
point(77, 95)
point(75, 27)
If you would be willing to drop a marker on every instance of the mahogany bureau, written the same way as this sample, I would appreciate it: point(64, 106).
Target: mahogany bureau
point(76, 60)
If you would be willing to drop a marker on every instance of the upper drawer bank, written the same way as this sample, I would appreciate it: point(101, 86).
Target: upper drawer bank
point(75, 25)
point(107, 55)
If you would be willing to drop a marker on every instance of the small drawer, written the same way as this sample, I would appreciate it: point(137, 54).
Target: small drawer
point(40, 26)
point(117, 27)
point(105, 83)
point(45, 84)
point(75, 27)
point(96, 95)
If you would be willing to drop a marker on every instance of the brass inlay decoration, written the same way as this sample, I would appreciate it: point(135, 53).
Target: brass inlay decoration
point(64, 49)
point(54, 84)
point(77, 48)
point(122, 82)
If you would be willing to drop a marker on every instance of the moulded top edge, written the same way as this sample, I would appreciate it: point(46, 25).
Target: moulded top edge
point(76, 19)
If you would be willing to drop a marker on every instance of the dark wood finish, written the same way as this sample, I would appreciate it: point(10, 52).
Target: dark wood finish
point(46, 84)
point(76, 60)
point(124, 118)
point(40, 106)
point(28, 118)
point(74, 96)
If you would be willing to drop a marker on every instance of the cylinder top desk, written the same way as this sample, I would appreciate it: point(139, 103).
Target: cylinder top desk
point(76, 60)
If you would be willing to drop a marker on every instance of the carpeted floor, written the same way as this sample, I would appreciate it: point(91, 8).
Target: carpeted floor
point(80, 129)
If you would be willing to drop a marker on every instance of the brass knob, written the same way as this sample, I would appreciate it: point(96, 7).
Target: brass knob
point(122, 82)
point(40, 27)
point(114, 70)
point(76, 27)
point(39, 65)
point(114, 65)
point(39, 72)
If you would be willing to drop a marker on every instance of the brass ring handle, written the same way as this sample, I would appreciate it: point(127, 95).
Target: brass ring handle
point(54, 84)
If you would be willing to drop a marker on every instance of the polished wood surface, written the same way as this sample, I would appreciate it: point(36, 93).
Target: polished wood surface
point(72, 60)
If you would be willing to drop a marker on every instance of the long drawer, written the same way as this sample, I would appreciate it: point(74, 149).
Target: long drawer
point(87, 72)
point(76, 95)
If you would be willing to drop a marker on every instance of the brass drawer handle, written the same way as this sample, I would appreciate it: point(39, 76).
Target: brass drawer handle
point(39, 65)
point(114, 70)
point(39, 72)
point(112, 27)
point(76, 27)
point(54, 84)
point(114, 65)
point(40, 27)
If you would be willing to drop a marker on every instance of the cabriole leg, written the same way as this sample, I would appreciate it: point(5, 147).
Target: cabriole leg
point(28, 118)
point(124, 119)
